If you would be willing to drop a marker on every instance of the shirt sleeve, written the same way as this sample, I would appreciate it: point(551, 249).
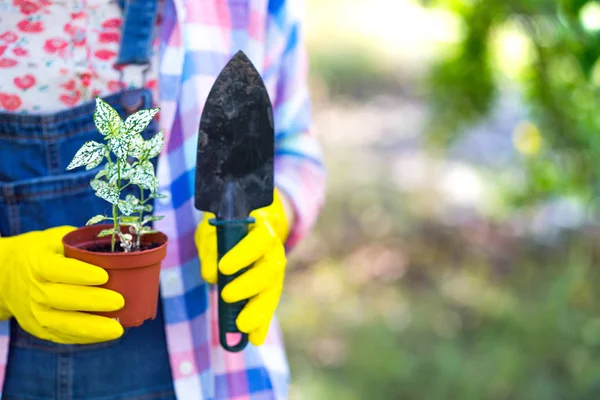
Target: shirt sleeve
point(299, 169)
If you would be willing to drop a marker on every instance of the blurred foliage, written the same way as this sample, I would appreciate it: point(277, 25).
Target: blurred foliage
point(396, 294)
point(422, 310)
point(559, 82)
point(347, 70)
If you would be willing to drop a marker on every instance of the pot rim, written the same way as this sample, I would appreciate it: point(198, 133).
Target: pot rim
point(163, 243)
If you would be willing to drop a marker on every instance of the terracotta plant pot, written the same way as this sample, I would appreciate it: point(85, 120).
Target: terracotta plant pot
point(134, 275)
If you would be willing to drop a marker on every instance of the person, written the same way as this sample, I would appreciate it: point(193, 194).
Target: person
point(55, 57)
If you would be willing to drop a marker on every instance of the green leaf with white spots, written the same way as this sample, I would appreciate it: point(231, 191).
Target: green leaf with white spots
point(138, 121)
point(94, 163)
point(105, 191)
point(134, 228)
point(101, 173)
point(109, 194)
point(153, 146)
point(143, 175)
point(125, 237)
point(152, 218)
point(132, 199)
point(106, 118)
point(113, 172)
point(119, 145)
point(126, 241)
point(147, 230)
point(126, 170)
point(129, 220)
point(136, 146)
point(95, 219)
point(91, 152)
point(127, 207)
point(157, 195)
point(107, 232)
point(95, 183)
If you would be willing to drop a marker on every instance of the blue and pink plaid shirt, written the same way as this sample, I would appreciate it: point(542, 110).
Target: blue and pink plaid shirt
point(197, 38)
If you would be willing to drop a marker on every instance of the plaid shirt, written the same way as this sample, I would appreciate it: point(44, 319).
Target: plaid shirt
point(198, 37)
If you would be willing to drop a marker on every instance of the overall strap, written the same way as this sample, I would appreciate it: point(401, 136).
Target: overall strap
point(139, 20)
point(138, 31)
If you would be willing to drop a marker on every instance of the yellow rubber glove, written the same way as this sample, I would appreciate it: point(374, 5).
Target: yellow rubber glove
point(45, 291)
point(263, 283)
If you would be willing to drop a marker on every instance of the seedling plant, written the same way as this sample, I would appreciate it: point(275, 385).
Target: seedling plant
point(127, 157)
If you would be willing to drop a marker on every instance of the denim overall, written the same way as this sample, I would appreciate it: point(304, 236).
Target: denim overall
point(36, 193)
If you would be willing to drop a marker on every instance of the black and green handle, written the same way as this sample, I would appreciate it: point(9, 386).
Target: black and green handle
point(230, 233)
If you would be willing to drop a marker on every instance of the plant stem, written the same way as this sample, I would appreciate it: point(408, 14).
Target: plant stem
point(117, 228)
point(139, 233)
point(115, 225)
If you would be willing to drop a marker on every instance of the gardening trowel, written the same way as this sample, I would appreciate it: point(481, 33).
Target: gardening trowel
point(234, 168)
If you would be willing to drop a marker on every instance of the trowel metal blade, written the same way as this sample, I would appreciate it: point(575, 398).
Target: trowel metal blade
point(234, 167)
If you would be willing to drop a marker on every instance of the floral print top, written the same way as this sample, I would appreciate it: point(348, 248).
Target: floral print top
point(57, 54)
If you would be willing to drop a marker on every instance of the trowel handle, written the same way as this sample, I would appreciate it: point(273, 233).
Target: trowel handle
point(229, 233)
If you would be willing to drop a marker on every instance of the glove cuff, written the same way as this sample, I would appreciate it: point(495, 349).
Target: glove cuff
point(283, 216)
point(5, 315)
point(4, 248)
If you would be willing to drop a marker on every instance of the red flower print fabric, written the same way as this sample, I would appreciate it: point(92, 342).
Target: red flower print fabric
point(7, 62)
point(9, 37)
point(30, 26)
point(56, 55)
point(10, 102)
point(55, 45)
point(19, 51)
point(28, 7)
point(24, 82)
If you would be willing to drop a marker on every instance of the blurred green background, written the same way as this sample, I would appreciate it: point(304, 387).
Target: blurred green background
point(457, 256)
